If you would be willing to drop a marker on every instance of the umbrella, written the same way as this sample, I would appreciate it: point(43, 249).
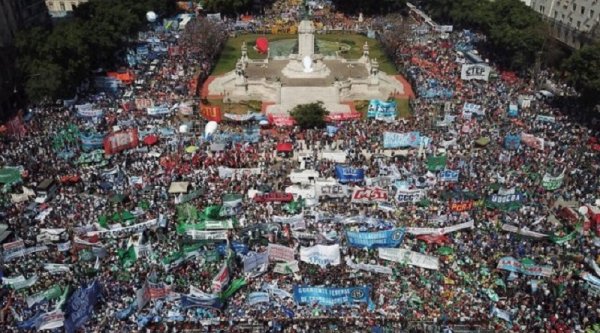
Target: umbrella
point(151, 139)
point(445, 251)
point(191, 149)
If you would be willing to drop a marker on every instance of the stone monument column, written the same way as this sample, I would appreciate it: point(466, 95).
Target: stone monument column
point(306, 39)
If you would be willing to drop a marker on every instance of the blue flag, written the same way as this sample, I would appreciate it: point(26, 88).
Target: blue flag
point(80, 305)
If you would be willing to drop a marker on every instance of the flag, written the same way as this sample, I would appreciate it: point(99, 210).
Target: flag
point(127, 257)
point(436, 163)
point(233, 287)
point(62, 299)
point(80, 305)
point(211, 212)
point(499, 282)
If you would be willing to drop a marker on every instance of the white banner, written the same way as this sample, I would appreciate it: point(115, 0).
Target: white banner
point(331, 189)
point(475, 72)
point(51, 320)
point(410, 258)
point(413, 196)
point(57, 268)
point(225, 172)
point(321, 255)
point(440, 231)
point(280, 253)
point(25, 283)
point(286, 267)
point(370, 268)
point(524, 232)
point(304, 176)
point(125, 231)
point(25, 252)
point(369, 195)
point(207, 235)
point(335, 156)
point(296, 222)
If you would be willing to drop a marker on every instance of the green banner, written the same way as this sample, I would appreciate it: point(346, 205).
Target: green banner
point(9, 175)
point(436, 163)
point(563, 239)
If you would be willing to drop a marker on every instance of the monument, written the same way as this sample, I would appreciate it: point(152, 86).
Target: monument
point(305, 77)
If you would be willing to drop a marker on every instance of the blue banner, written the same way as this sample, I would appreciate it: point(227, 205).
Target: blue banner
point(381, 110)
point(348, 174)
point(402, 140)
point(238, 248)
point(449, 175)
point(158, 111)
point(332, 296)
point(371, 240)
point(331, 130)
point(512, 142)
point(189, 301)
point(80, 305)
point(142, 50)
point(91, 141)
point(251, 136)
point(107, 84)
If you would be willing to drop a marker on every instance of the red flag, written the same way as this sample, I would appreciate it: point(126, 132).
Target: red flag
point(211, 113)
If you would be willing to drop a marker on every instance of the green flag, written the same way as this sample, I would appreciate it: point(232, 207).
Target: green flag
point(492, 295)
point(232, 199)
point(127, 257)
point(211, 212)
point(445, 251)
point(9, 175)
point(294, 207)
point(53, 293)
point(103, 221)
point(63, 298)
point(563, 239)
point(233, 287)
point(436, 163)
point(499, 282)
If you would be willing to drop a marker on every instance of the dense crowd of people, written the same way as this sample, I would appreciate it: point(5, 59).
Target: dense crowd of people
point(488, 219)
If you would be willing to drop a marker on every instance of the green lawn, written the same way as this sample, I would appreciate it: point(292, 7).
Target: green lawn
point(232, 50)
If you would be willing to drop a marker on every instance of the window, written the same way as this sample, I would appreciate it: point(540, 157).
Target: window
point(574, 7)
point(62, 6)
point(50, 6)
point(555, 14)
point(582, 10)
point(591, 13)
point(578, 24)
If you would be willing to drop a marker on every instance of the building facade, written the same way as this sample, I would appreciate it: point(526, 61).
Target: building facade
point(15, 15)
point(574, 22)
point(60, 8)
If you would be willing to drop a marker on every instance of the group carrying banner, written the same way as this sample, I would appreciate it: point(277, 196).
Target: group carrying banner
point(409, 258)
point(370, 240)
point(332, 296)
point(551, 183)
point(505, 202)
point(369, 195)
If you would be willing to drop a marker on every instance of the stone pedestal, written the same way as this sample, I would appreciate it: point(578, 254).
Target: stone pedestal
point(306, 38)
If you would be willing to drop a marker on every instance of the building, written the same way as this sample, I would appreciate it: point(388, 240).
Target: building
point(573, 22)
point(60, 8)
point(15, 15)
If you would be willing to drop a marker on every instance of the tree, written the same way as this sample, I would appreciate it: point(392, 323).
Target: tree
point(310, 115)
point(228, 7)
point(583, 69)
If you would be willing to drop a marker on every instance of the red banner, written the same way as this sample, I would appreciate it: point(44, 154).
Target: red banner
point(281, 121)
point(461, 206)
point(211, 113)
point(122, 140)
point(274, 197)
point(369, 194)
point(434, 239)
point(15, 126)
point(143, 103)
point(343, 116)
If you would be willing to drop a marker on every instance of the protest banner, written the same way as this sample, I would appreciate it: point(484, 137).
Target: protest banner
point(403, 196)
point(524, 232)
point(253, 260)
point(513, 265)
point(346, 174)
point(475, 72)
point(280, 253)
point(207, 235)
point(125, 231)
point(532, 141)
point(89, 111)
point(369, 195)
point(409, 258)
point(436, 163)
point(507, 202)
point(370, 240)
point(450, 176)
point(119, 141)
point(392, 140)
point(330, 189)
point(440, 231)
point(321, 255)
point(221, 279)
point(380, 110)
point(158, 111)
point(287, 267)
point(460, 206)
point(551, 183)
point(211, 113)
point(257, 297)
point(225, 172)
point(332, 296)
